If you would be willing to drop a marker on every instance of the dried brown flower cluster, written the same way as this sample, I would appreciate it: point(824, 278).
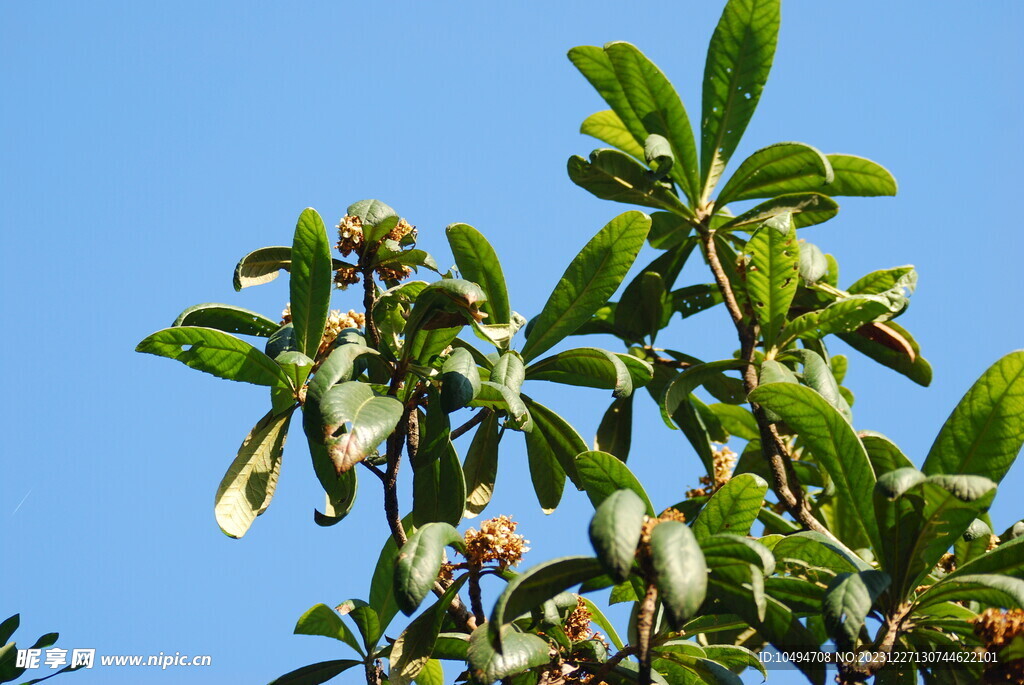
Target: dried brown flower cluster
point(948, 562)
point(997, 629)
point(993, 542)
point(397, 272)
point(724, 463)
point(346, 276)
point(401, 229)
point(352, 239)
point(496, 541)
point(577, 623)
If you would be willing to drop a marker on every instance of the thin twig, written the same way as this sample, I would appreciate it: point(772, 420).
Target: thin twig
point(374, 470)
point(469, 425)
point(599, 677)
point(369, 300)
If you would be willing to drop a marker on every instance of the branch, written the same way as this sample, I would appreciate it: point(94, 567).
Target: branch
point(369, 300)
point(599, 677)
point(772, 446)
point(474, 594)
point(469, 425)
point(644, 624)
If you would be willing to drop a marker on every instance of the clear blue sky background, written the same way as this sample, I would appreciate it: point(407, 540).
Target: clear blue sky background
point(148, 146)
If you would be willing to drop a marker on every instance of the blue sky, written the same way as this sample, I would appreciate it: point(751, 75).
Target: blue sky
point(148, 146)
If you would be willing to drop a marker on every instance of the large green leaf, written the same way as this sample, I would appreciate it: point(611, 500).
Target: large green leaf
point(733, 508)
point(414, 647)
point(546, 472)
point(739, 58)
point(227, 318)
point(365, 418)
point(481, 466)
point(772, 274)
point(318, 673)
point(519, 651)
point(990, 590)
point(460, 380)
point(311, 282)
point(588, 282)
point(813, 549)
point(807, 209)
point(833, 443)
point(322, 620)
point(340, 489)
point(539, 584)
point(856, 176)
point(845, 315)
point(217, 353)
point(657, 106)
point(891, 345)
point(377, 218)
point(607, 127)
point(680, 571)
point(602, 474)
point(382, 583)
point(847, 602)
point(248, 486)
point(339, 366)
point(478, 262)
point(439, 488)
point(778, 169)
point(614, 175)
point(818, 376)
point(562, 439)
point(1006, 559)
point(985, 432)
point(615, 432)
point(615, 531)
point(502, 398)
point(262, 266)
point(419, 562)
point(586, 366)
point(595, 64)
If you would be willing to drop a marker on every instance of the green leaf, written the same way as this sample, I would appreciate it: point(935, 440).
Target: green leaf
point(614, 175)
point(615, 532)
point(460, 380)
point(607, 127)
point(739, 58)
point(1006, 559)
point(248, 486)
point(8, 627)
point(314, 674)
point(519, 651)
point(818, 376)
point(813, 549)
point(680, 571)
point(833, 442)
point(693, 299)
point(311, 282)
point(338, 366)
point(778, 169)
point(856, 176)
point(562, 439)
point(813, 265)
point(614, 434)
point(341, 489)
point(323, 620)
point(546, 471)
point(377, 218)
point(227, 318)
point(596, 65)
point(659, 110)
point(990, 590)
point(985, 432)
point(382, 583)
point(877, 282)
point(414, 647)
point(439, 489)
point(602, 474)
point(216, 353)
point(658, 155)
point(481, 467)
point(847, 602)
point(891, 345)
point(591, 278)
point(478, 262)
point(261, 266)
point(845, 315)
point(885, 456)
point(537, 585)
point(448, 303)
point(356, 421)
point(737, 421)
point(419, 562)
point(509, 371)
point(772, 274)
point(733, 508)
point(807, 209)
point(366, 619)
point(584, 366)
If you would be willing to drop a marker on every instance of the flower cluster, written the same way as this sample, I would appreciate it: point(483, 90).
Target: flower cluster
point(997, 629)
point(577, 623)
point(724, 463)
point(670, 514)
point(351, 238)
point(336, 323)
point(350, 235)
point(496, 541)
